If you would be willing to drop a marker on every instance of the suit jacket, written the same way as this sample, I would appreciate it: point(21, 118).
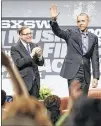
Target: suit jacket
point(27, 66)
point(74, 57)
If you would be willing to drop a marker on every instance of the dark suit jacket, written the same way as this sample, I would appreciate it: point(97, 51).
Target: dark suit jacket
point(74, 57)
point(27, 66)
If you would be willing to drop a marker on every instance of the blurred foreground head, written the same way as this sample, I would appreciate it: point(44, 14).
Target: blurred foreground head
point(19, 121)
point(85, 112)
point(31, 108)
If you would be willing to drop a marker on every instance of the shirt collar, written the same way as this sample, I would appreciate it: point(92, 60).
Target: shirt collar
point(24, 43)
point(84, 33)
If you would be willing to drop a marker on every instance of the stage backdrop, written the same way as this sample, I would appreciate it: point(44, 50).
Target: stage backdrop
point(36, 15)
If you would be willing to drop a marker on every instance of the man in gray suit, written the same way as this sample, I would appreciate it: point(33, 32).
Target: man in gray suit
point(27, 56)
point(82, 46)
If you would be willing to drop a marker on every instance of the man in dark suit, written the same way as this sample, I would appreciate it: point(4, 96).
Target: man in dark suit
point(82, 46)
point(27, 56)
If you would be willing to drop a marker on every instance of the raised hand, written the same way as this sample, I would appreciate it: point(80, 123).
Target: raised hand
point(75, 91)
point(53, 11)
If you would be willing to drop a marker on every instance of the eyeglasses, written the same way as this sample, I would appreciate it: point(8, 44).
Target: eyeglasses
point(27, 34)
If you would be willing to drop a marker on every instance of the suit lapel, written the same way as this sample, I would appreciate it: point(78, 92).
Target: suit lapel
point(90, 41)
point(79, 39)
point(22, 47)
point(33, 45)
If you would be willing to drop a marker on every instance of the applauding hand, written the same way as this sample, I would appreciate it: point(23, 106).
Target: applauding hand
point(36, 51)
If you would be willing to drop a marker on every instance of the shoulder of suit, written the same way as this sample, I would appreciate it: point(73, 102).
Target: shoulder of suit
point(75, 29)
point(69, 30)
point(16, 45)
point(93, 35)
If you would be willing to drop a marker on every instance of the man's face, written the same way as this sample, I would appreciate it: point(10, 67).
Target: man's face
point(26, 35)
point(82, 22)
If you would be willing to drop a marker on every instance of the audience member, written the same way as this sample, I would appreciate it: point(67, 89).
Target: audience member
point(52, 103)
point(85, 112)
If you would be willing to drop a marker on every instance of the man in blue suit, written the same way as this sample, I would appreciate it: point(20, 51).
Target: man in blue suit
point(82, 46)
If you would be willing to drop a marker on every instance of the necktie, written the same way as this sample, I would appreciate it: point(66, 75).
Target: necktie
point(28, 48)
point(84, 43)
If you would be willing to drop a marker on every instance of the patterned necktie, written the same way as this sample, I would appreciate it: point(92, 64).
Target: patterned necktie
point(84, 43)
point(28, 48)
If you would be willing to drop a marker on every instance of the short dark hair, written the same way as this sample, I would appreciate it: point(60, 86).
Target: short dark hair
point(83, 14)
point(85, 112)
point(22, 28)
point(52, 103)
